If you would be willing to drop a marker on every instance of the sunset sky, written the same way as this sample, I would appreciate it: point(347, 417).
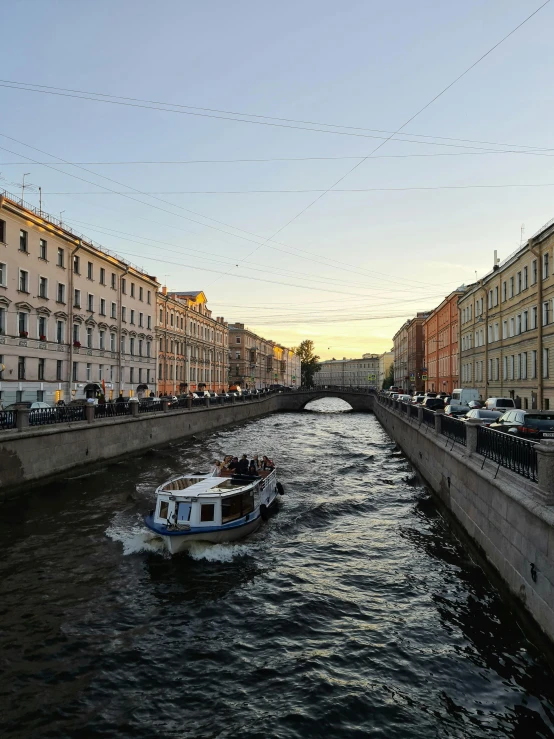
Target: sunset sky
point(306, 90)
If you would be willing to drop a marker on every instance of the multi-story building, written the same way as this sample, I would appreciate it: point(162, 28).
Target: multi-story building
point(356, 373)
point(255, 362)
point(385, 361)
point(75, 320)
point(192, 345)
point(440, 332)
point(409, 354)
point(507, 327)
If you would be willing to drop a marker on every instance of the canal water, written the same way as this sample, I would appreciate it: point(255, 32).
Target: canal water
point(354, 612)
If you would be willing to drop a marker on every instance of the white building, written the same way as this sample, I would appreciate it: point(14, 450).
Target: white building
point(355, 373)
point(74, 319)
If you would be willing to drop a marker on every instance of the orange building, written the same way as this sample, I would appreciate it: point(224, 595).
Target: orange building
point(441, 345)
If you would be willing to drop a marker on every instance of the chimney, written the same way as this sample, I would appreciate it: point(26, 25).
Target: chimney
point(164, 290)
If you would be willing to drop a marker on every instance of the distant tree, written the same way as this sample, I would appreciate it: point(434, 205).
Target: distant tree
point(309, 362)
point(389, 377)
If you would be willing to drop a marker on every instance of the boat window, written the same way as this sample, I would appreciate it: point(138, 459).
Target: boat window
point(236, 506)
point(183, 513)
point(207, 511)
point(164, 508)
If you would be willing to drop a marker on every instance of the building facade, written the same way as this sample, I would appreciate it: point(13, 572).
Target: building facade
point(507, 327)
point(363, 373)
point(385, 361)
point(440, 332)
point(255, 362)
point(409, 354)
point(75, 320)
point(192, 346)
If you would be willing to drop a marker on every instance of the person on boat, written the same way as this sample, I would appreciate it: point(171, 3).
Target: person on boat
point(256, 462)
point(267, 463)
point(243, 465)
point(252, 470)
point(234, 464)
point(216, 472)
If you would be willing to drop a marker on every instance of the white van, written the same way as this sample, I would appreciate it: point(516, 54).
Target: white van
point(499, 404)
point(463, 395)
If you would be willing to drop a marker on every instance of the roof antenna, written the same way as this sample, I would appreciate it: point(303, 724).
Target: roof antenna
point(521, 234)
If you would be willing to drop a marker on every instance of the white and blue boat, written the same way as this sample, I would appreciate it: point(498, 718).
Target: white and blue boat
point(212, 507)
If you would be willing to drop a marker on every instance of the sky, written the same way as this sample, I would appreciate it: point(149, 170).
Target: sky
point(314, 87)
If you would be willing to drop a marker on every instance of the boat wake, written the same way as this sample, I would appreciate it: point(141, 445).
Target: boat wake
point(227, 552)
point(135, 539)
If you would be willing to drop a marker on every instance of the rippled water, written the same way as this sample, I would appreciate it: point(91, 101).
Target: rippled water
point(354, 612)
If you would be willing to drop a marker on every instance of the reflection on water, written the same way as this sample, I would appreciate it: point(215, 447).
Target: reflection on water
point(353, 612)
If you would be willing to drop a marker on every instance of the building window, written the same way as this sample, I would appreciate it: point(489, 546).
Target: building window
point(21, 368)
point(518, 282)
point(76, 265)
point(132, 289)
point(59, 370)
point(237, 339)
point(90, 303)
point(23, 241)
point(2, 232)
point(43, 287)
point(141, 293)
point(131, 375)
point(23, 281)
point(112, 342)
point(140, 348)
point(61, 257)
point(23, 319)
point(41, 369)
point(42, 249)
point(133, 317)
point(60, 332)
point(2, 321)
point(61, 293)
point(114, 281)
point(89, 372)
point(124, 314)
point(42, 327)
point(545, 266)
point(3, 274)
point(525, 278)
point(147, 348)
point(102, 276)
point(534, 272)
point(123, 345)
point(76, 332)
point(504, 290)
point(141, 320)
point(123, 286)
point(148, 297)
point(74, 372)
point(160, 370)
point(114, 310)
point(132, 346)
point(533, 364)
point(545, 361)
point(545, 313)
point(101, 340)
point(90, 271)
point(102, 307)
point(524, 366)
point(89, 338)
point(149, 322)
point(100, 372)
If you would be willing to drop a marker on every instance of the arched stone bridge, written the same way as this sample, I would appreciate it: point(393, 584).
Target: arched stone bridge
point(297, 400)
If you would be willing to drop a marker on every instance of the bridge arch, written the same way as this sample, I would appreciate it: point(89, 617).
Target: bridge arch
point(298, 400)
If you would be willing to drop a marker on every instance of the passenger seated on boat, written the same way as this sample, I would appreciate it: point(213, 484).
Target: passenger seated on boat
point(256, 462)
point(234, 464)
point(243, 465)
point(268, 464)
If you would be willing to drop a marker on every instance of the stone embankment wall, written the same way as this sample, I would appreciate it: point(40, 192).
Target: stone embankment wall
point(40, 452)
point(504, 513)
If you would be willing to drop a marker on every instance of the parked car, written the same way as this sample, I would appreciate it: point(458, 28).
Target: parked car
point(475, 404)
point(171, 398)
point(418, 398)
point(27, 404)
point(528, 424)
point(434, 404)
point(499, 404)
point(456, 411)
point(405, 398)
point(482, 414)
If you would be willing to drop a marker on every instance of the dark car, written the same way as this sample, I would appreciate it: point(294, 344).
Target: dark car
point(527, 424)
point(434, 404)
point(456, 410)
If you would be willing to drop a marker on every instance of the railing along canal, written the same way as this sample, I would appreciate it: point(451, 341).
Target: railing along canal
point(428, 417)
point(518, 455)
point(7, 419)
point(109, 410)
point(58, 414)
point(453, 429)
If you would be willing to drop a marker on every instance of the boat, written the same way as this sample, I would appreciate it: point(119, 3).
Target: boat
point(217, 506)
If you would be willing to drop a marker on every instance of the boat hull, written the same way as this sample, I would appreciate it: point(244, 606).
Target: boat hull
point(176, 544)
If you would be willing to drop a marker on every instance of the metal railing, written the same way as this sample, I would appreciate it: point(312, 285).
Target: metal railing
point(453, 429)
point(7, 420)
point(413, 412)
point(109, 410)
point(151, 406)
point(59, 414)
point(518, 455)
point(429, 417)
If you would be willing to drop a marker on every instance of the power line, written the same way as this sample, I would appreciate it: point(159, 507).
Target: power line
point(406, 123)
point(277, 192)
point(189, 109)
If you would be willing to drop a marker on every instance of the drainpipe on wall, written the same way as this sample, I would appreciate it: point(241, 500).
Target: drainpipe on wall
point(120, 368)
point(536, 251)
point(70, 319)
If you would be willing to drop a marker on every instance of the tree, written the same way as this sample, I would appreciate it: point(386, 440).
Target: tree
point(309, 362)
point(389, 377)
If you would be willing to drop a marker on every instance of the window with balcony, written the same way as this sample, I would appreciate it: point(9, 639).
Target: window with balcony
point(42, 327)
point(42, 249)
point(60, 332)
point(89, 338)
point(101, 335)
